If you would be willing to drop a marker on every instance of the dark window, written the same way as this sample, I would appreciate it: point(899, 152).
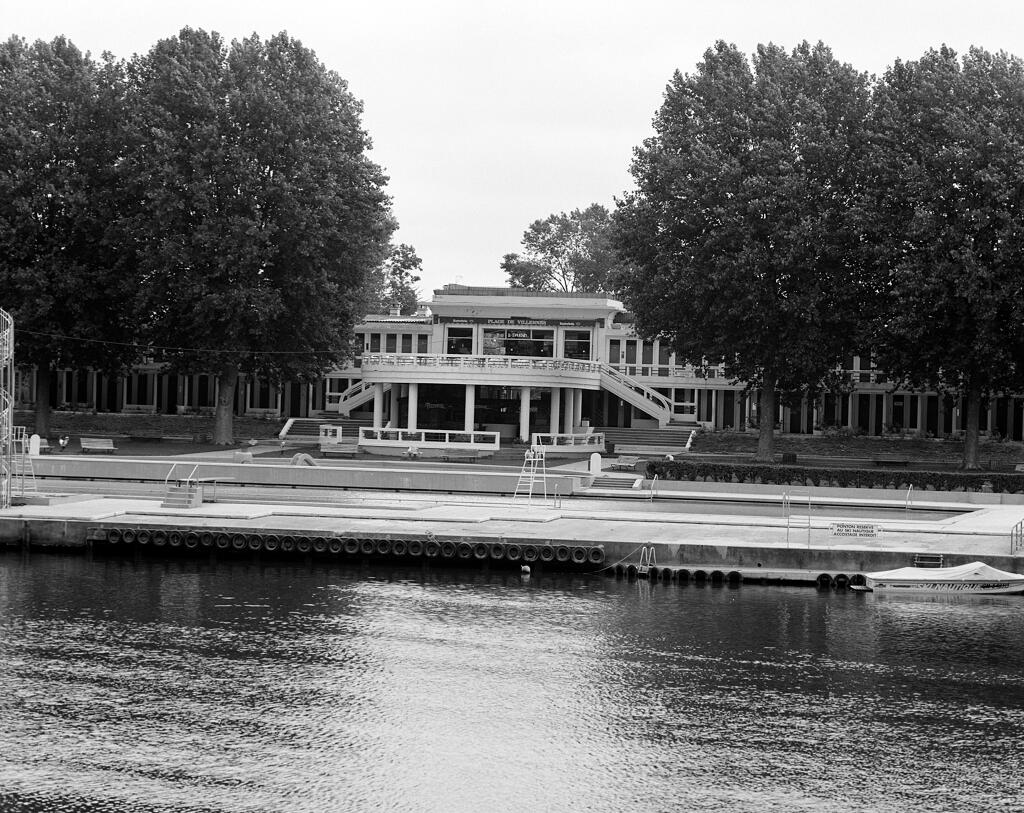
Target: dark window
point(516, 341)
point(577, 344)
point(390, 342)
point(374, 342)
point(460, 341)
point(406, 342)
point(421, 343)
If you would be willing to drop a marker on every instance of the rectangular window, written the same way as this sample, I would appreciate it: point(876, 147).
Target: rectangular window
point(390, 342)
point(664, 352)
point(577, 344)
point(614, 351)
point(460, 341)
point(374, 342)
point(421, 343)
point(516, 341)
point(406, 342)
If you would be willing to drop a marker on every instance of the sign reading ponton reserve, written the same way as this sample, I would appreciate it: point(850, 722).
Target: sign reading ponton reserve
point(861, 530)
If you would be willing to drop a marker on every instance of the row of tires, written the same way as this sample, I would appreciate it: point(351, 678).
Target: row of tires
point(430, 547)
point(683, 575)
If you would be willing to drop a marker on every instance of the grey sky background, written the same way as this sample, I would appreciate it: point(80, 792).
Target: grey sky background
point(488, 116)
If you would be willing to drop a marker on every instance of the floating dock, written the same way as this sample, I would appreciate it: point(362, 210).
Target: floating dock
point(465, 516)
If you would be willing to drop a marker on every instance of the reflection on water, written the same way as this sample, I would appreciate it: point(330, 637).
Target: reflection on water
point(186, 686)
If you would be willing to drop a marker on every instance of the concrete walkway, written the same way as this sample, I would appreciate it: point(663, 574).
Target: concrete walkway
point(983, 531)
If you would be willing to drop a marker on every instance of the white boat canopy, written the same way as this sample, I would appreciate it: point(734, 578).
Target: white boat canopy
point(973, 571)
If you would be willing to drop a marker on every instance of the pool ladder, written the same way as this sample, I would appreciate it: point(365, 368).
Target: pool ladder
point(787, 510)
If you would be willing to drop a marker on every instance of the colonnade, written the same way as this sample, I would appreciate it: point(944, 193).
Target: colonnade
point(566, 408)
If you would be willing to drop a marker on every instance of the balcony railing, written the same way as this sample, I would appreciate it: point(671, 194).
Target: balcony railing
point(518, 363)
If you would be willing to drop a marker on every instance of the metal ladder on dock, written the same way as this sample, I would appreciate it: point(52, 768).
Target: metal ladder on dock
point(181, 492)
point(23, 473)
point(534, 472)
point(647, 561)
point(801, 495)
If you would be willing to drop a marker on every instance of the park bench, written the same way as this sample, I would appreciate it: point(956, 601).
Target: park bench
point(101, 445)
point(624, 463)
point(453, 455)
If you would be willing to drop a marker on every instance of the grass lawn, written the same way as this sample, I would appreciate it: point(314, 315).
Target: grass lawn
point(139, 434)
point(121, 425)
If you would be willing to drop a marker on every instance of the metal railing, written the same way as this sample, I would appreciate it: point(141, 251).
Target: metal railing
point(187, 479)
point(787, 510)
point(438, 361)
point(1017, 538)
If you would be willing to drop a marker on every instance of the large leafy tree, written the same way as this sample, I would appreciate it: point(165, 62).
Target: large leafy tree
point(392, 284)
point(739, 230)
point(258, 210)
point(564, 252)
point(64, 275)
point(945, 212)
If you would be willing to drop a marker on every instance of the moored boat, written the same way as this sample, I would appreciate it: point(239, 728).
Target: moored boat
point(975, 577)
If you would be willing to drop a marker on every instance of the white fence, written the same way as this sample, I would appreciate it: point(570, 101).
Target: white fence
point(585, 442)
point(424, 441)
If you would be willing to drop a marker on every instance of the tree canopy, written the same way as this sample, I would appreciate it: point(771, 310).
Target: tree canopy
point(257, 211)
point(739, 235)
point(64, 277)
point(944, 214)
point(564, 252)
point(392, 284)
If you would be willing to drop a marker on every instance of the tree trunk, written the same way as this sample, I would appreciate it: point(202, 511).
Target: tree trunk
point(972, 416)
point(766, 424)
point(223, 426)
point(42, 423)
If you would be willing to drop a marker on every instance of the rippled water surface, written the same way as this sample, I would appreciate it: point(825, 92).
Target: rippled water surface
point(186, 686)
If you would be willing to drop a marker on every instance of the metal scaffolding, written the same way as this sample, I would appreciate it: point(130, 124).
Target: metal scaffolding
point(7, 450)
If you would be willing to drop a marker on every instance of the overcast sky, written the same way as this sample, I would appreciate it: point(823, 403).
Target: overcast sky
point(490, 115)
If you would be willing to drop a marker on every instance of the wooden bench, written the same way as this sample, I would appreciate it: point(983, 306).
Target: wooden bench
point(101, 445)
point(624, 464)
point(895, 462)
point(452, 455)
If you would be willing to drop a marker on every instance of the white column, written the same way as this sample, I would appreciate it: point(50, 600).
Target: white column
point(567, 410)
point(577, 407)
point(378, 405)
point(556, 406)
point(524, 414)
point(414, 393)
point(470, 420)
point(396, 392)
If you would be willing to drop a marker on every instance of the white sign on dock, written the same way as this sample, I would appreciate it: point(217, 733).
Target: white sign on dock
point(858, 530)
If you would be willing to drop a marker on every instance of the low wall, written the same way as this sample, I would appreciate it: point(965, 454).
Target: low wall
point(420, 478)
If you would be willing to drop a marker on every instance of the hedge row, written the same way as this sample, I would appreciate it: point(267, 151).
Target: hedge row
point(728, 472)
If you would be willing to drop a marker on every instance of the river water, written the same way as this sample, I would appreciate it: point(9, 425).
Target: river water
point(235, 686)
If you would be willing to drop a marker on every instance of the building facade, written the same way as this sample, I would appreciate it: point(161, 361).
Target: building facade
point(520, 362)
